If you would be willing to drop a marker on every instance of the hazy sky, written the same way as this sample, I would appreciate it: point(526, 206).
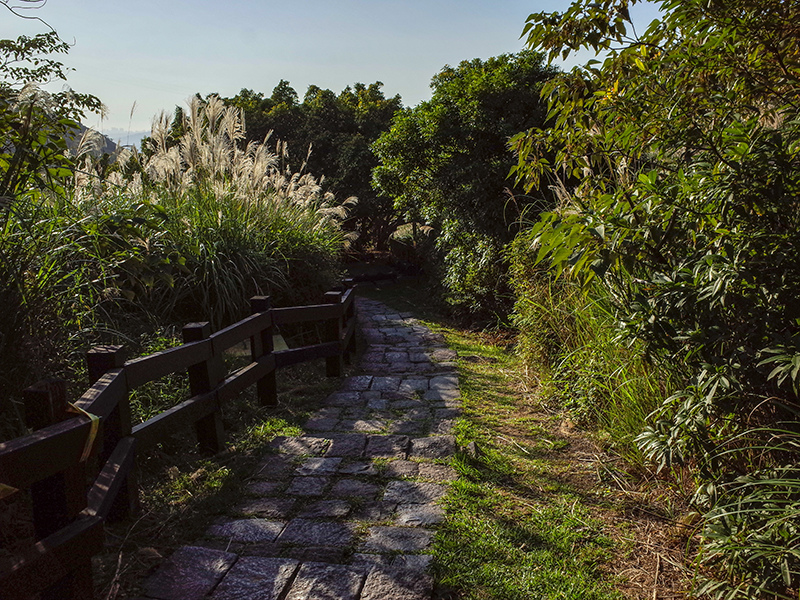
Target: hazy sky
point(158, 53)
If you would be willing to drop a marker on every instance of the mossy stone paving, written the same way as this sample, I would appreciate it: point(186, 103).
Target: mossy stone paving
point(349, 509)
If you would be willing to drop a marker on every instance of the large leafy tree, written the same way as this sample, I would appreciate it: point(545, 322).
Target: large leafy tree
point(446, 163)
point(685, 144)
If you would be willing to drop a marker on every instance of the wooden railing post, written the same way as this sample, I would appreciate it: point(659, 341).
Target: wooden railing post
point(204, 377)
point(116, 426)
point(262, 345)
point(57, 500)
point(352, 349)
point(334, 366)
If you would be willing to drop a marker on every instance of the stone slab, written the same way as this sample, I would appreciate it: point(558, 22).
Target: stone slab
point(436, 446)
point(275, 508)
point(256, 578)
point(358, 468)
point(247, 530)
point(326, 509)
point(264, 488)
point(413, 492)
point(300, 445)
point(303, 532)
point(416, 562)
point(355, 488)
point(419, 515)
point(385, 384)
point(390, 583)
point(444, 382)
point(387, 446)
point(397, 539)
point(319, 466)
point(413, 385)
point(189, 574)
point(367, 425)
point(349, 445)
point(319, 581)
point(374, 512)
point(377, 403)
point(307, 486)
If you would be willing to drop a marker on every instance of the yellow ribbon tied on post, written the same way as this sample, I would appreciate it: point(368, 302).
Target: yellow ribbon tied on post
point(93, 428)
point(7, 490)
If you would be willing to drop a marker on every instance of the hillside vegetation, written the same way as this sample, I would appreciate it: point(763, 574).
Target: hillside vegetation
point(635, 221)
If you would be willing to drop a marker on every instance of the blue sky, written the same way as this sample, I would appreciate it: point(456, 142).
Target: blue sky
point(157, 53)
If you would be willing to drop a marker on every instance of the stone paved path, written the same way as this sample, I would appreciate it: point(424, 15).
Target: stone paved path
point(348, 510)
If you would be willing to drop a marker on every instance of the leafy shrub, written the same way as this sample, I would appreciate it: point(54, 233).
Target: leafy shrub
point(686, 148)
point(186, 232)
point(446, 162)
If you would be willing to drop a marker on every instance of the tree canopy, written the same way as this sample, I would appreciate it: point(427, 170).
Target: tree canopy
point(338, 130)
point(446, 161)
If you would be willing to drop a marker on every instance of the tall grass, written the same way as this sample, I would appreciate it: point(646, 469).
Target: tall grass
point(187, 229)
point(568, 338)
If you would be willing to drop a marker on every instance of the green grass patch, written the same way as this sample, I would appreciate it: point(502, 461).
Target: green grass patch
point(517, 526)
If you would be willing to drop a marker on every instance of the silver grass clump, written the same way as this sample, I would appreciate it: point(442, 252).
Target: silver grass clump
point(210, 153)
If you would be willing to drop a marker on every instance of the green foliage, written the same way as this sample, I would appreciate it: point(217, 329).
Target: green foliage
point(568, 338)
point(445, 162)
point(334, 133)
point(35, 124)
point(685, 146)
point(187, 232)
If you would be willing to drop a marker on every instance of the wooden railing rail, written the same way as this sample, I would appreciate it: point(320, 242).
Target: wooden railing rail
point(95, 435)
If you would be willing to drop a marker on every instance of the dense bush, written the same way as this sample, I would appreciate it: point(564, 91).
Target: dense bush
point(185, 232)
point(446, 163)
point(686, 146)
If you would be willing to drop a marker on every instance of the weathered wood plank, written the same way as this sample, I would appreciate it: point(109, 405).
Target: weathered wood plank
point(238, 332)
point(155, 430)
point(111, 479)
point(245, 377)
point(347, 300)
point(286, 358)
point(302, 314)
point(51, 559)
point(155, 366)
point(348, 333)
point(104, 396)
point(42, 453)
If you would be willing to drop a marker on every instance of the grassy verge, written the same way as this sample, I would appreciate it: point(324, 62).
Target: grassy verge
point(540, 510)
point(516, 529)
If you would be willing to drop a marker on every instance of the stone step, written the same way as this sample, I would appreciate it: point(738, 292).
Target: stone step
point(348, 510)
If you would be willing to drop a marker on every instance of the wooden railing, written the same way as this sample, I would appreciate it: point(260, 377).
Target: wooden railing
point(94, 437)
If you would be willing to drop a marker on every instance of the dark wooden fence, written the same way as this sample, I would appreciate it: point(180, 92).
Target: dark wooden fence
point(55, 461)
